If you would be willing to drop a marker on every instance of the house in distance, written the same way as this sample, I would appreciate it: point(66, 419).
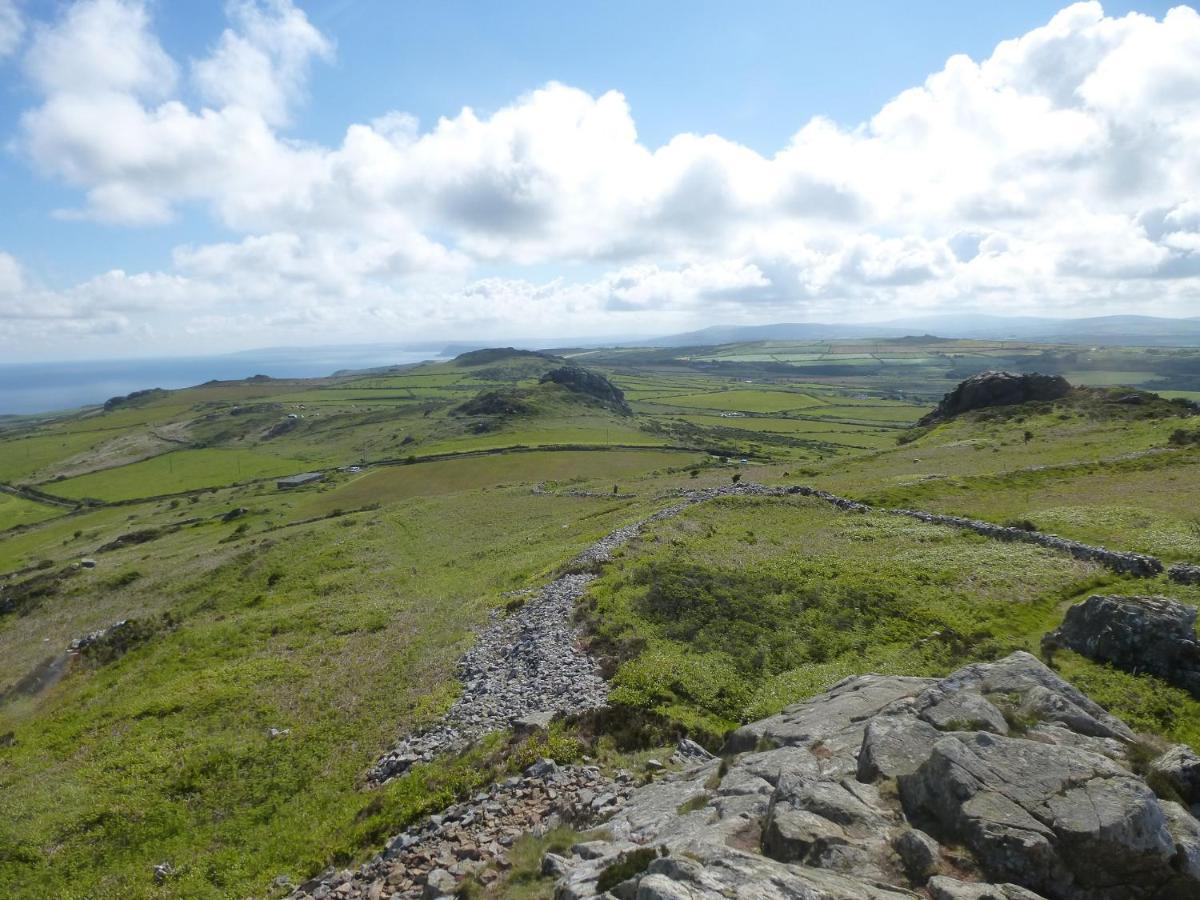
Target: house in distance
point(294, 481)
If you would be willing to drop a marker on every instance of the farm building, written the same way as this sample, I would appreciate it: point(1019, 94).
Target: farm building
point(298, 480)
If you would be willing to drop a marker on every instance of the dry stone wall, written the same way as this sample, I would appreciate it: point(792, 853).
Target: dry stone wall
point(1138, 564)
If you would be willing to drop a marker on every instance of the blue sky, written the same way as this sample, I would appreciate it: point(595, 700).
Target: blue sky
point(488, 224)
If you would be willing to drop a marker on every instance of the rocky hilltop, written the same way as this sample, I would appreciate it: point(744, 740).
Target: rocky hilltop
point(589, 383)
point(997, 389)
point(999, 781)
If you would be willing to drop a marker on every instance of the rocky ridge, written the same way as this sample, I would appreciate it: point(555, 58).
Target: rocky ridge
point(999, 781)
point(589, 383)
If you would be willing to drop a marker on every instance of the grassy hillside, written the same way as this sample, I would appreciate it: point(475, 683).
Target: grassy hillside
point(284, 639)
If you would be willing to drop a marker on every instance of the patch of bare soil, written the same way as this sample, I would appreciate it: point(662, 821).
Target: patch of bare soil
point(120, 451)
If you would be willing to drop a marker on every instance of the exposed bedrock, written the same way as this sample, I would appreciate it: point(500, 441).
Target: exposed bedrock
point(1000, 781)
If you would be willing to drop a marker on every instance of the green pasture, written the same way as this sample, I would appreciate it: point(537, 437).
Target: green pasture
point(183, 470)
point(766, 401)
point(1148, 504)
point(22, 456)
point(563, 467)
point(998, 447)
point(344, 632)
point(19, 511)
point(871, 414)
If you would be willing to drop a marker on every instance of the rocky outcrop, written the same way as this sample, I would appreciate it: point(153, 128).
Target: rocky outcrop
point(1179, 770)
point(997, 389)
point(1138, 634)
point(999, 781)
point(593, 384)
point(494, 403)
point(1182, 573)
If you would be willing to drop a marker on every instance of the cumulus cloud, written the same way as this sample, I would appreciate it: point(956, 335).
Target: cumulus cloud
point(1062, 169)
point(262, 62)
point(109, 123)
point(100, 47)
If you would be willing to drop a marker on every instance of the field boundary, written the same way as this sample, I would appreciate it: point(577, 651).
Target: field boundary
point(393, 461)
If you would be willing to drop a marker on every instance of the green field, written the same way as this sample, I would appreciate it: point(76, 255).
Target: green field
point(183, 470)
point(337, 612)
point(19, 511)
point(766, 401)
point(564, 467)
point(25, 455)
point(747, 604)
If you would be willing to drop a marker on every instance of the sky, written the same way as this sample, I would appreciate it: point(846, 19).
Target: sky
point(192, 177)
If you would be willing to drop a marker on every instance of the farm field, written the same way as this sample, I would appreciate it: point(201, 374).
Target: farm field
point(177, 472)
point(19, 511)
point(762, 400)
point(555, 469)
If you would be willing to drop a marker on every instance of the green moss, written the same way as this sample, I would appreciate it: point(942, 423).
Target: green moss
point(700, 801)
point(630, 863)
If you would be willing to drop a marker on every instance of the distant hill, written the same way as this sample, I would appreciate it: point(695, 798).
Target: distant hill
point(793, 331)
point(1150, 331)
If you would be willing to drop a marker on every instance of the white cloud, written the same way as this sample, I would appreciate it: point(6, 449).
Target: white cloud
point(1063, 171)
point(262, 63)
point(97, 47)
point(11, 28)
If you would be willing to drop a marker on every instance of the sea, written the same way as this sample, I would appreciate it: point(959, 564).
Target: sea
point(41, 387)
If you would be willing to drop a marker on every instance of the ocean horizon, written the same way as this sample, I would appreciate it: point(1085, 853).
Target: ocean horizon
point(45, 387)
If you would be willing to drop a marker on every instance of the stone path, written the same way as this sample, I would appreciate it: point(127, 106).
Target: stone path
point(472, 838)
point(524, 663)
point(528, 662)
